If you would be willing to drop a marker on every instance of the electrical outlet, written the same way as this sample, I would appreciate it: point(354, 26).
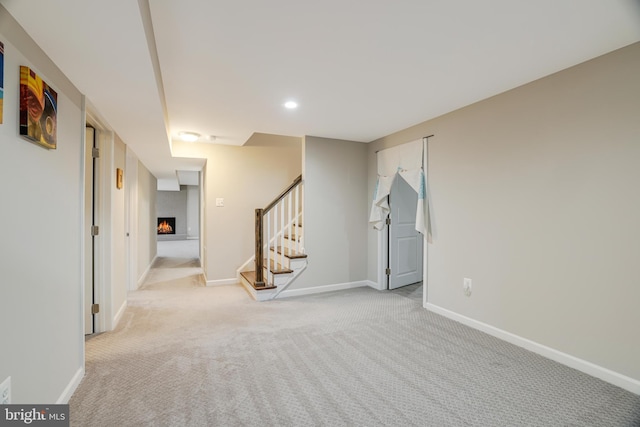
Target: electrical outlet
point(467, 284)
point(219, 202)
point(5, 392)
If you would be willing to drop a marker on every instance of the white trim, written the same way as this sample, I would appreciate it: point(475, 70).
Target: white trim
point(83, 223)
point(221, 282)
point(146, 272)
point(383, 244)
point(588, 368)
point(325, 288)
point(119, 314)
point(247, 266)
point(372, 284)
point(71, 387)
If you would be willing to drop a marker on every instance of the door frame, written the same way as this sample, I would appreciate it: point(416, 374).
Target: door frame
point(383, 243)
point(102, 243)
point(90, 217)
point(391, 256)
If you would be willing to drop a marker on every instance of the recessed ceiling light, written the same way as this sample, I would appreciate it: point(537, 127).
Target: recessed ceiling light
point(291, 105)
point(189, 136)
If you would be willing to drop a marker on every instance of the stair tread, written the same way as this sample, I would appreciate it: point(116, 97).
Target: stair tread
point(250, 276)
point(289, 253)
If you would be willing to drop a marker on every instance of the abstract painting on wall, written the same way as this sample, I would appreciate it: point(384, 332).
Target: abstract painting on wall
point(1, 80)
point(38, 109)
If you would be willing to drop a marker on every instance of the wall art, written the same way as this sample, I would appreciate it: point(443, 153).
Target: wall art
point(38, 109)
point(119, 178)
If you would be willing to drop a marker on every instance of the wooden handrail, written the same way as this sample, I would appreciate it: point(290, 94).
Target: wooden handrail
point(270, 206)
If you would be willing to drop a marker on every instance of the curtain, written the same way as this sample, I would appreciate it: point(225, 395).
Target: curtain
point(403, 161)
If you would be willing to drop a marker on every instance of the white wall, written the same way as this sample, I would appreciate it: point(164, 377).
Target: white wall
point(247, 178)
point(335, 212)
point(535, 197)
point(193, 211)
point(147, 220)
point(41, 247)
point(118, 235)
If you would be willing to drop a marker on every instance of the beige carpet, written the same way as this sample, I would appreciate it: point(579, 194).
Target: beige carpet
point(187, 355)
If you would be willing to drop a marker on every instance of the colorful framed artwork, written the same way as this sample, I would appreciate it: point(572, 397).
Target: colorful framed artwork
point(38, 109)
point(1, 80)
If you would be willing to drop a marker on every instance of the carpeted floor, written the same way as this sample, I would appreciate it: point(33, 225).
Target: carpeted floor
point(187, 355)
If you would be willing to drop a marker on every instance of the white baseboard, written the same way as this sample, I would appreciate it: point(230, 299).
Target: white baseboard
point(146, 272)
point(588, 368)
point(221, 282)
point(374, 285)
point(119, 314)
point(321, 289)
point(71, 387)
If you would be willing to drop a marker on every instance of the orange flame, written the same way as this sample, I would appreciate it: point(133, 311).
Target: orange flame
point(164, 228)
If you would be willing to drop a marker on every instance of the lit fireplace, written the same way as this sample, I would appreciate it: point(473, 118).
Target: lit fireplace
point(167, 225)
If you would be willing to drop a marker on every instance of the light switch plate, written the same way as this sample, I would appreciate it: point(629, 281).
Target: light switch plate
point(219, 202)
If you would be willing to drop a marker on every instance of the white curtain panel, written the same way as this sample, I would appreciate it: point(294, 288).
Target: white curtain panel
point(401, 161)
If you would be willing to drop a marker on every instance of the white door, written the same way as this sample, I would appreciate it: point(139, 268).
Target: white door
point(405, 243)
point(89, 187)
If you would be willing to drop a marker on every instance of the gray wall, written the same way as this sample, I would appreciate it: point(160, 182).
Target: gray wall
point(335, 212)
point(174, 204)
point(184, 205)
point(535, 197)
point(41, 248)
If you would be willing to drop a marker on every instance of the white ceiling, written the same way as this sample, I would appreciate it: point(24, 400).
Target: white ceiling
point(360, 69)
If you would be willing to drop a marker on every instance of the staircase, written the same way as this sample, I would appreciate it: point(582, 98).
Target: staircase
point(279, 247)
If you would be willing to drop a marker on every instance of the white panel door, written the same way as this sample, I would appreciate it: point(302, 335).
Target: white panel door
point(405, 243)
point(89, 184)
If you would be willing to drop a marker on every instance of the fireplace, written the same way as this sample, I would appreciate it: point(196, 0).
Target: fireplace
point(167, 225)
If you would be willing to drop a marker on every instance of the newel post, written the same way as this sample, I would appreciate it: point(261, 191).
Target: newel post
point(259, 253)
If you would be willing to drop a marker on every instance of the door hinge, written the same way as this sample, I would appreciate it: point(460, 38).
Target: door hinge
point(388, 272)
point(95, 152)
point(388, 220)
point(95, 308)
point(95, 230)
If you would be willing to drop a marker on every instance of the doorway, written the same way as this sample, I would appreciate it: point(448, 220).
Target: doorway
point(405, 244)
point(90, 220)
point(178, 217)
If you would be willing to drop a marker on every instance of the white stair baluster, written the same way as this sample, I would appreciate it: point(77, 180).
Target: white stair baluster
point(276, 230)
point(297, 222)
point(282, 226)
point(268, 278)
point(289, 218)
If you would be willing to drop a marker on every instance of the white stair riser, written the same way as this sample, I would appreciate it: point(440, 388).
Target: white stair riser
point(265, 295)
point(291, 244)
point(279, 279)
point(292, 264)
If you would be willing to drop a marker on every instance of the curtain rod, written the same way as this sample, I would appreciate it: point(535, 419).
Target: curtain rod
point(424, 137)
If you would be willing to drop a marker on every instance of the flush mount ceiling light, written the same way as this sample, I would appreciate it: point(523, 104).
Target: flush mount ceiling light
point(291, 105)
point(189, 136)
